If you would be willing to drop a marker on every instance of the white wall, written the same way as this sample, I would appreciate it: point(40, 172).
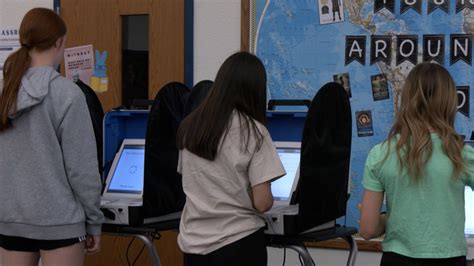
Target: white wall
point(216, 35)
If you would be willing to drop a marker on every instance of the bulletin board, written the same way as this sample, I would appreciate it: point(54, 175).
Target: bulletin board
point(367, 46)
point(11, 14)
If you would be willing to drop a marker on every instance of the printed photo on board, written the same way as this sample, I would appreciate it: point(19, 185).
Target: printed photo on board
point(379, 87)
point(331, 11)
point(344, 80)
point(364, 124)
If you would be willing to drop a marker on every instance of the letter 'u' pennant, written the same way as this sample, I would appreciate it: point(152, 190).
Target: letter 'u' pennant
point(433, 48)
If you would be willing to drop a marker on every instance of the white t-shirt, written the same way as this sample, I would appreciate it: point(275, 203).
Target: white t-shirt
point(219, 208)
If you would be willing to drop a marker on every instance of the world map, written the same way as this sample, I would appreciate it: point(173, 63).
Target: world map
point(301, 55)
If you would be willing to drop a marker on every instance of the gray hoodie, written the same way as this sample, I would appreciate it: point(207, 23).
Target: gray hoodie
point(49, 182)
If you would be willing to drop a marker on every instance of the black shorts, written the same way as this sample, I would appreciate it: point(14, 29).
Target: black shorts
point(249, 251)
point(15, 243)
point(395, 259)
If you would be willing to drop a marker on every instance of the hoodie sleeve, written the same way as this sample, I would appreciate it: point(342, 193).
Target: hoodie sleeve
point(80, 160)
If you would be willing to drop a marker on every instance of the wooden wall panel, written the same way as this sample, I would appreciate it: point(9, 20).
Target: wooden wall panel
point(96, 22)
point(167, 45)
point(135, 7)
point(362, 245)
point(114, 251)
point(245, 25)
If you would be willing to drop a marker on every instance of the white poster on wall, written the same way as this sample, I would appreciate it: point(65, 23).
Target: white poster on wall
point(79, 63)
point(11, 14)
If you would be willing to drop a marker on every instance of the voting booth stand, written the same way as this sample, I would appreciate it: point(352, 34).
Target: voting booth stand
point(283, 126)
point(120, 125)
point(288, 126)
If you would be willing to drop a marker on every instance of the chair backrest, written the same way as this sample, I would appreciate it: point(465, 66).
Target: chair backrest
point(163, 191)
point(198, 93)
point(325, 158)
point(97, 115)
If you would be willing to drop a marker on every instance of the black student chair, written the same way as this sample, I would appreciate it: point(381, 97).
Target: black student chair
point(325, 158)
point(97, 115)
point(198, 93)
point(163, 192)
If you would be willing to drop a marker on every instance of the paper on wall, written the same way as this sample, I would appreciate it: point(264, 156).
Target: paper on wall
point(79, 63)
point(11, 14)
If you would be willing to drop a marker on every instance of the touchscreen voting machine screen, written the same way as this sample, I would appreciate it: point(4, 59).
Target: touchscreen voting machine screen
point(469, 208)
point(127, 172)
point(282, 188)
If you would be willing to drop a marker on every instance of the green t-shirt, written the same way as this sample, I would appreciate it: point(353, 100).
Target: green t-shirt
point(425, 219)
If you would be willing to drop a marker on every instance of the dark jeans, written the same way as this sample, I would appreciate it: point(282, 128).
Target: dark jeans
point(248, 251)
point(394, 259)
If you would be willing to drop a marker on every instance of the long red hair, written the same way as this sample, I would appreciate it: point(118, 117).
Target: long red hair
point(40, 29)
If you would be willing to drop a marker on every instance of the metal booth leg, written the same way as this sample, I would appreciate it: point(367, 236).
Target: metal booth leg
point(301, 250)
point(155, 259)
point(353, 250)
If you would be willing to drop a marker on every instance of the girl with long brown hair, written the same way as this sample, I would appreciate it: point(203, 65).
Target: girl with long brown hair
point(227, 159)
point(422, 169)
point(49, 182)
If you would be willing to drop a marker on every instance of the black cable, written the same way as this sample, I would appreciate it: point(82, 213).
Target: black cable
point(138, 256)
point(300, 259)
point(284, 256)
point(154, 236)
point(128, 249)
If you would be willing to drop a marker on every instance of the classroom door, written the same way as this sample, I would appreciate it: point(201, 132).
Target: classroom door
point(100, 23)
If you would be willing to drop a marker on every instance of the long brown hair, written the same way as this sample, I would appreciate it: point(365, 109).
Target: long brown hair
point(240, 85)
point(40, 29)
point(428, 104)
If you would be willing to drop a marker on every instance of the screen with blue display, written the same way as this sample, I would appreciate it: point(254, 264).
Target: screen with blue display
point(128, 173)
point(290, 158)
point(469, 206)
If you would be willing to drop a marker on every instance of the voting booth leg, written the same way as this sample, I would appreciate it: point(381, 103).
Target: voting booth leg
point(155, 260)
point(353, 250)
point(303, 252)
point(308, 261)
